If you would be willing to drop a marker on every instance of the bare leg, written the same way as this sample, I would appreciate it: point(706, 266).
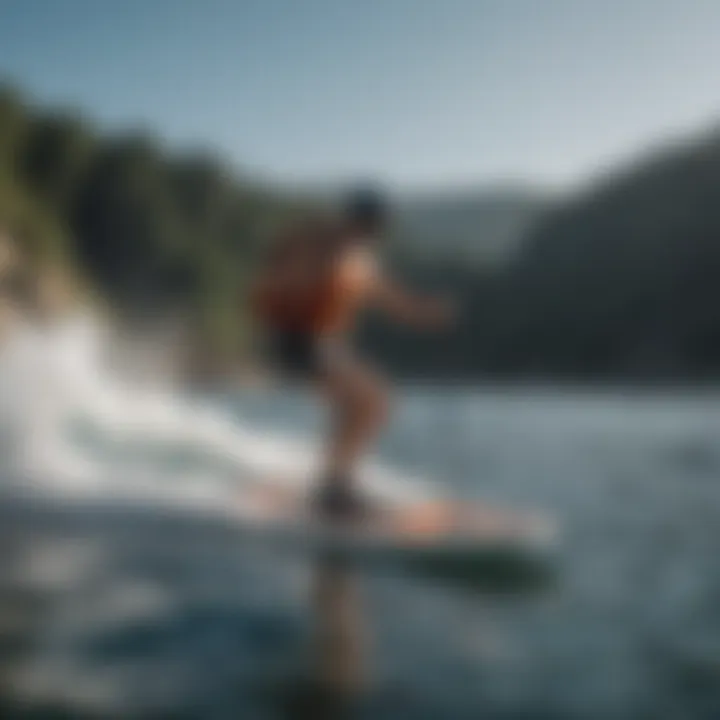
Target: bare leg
point(359, 407)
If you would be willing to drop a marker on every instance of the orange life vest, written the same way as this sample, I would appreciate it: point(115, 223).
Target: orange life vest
point(303, 288)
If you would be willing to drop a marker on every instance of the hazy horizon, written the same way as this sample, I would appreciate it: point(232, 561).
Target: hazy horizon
point(417, 94)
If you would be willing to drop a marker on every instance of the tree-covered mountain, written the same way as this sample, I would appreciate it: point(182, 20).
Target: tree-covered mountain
point(155, 233)
point(621, 280)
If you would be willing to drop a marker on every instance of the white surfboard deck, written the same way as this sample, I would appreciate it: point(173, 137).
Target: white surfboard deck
point(421, 528)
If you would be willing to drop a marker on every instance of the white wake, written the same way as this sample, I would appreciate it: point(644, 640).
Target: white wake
point(70, 428)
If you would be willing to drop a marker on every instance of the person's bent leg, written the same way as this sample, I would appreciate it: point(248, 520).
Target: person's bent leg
point(360, 404)
point(359, 410)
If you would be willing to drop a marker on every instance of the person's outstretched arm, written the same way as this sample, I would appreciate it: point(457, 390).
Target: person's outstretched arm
point(363, 277)
point(409, 308)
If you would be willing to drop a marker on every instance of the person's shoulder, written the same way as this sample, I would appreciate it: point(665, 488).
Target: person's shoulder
point(359, 263)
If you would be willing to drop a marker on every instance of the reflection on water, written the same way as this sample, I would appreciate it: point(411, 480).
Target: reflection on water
point(97, 624)
point(152, 615)
point(140, 616)
point(333, 676)
point(339, 629)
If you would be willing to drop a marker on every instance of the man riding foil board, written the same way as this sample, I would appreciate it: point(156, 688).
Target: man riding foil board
point(318, 277)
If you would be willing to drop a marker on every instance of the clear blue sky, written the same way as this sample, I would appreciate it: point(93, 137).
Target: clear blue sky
point(413, 92)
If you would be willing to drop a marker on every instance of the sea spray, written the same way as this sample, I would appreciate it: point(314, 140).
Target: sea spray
point(69, 427)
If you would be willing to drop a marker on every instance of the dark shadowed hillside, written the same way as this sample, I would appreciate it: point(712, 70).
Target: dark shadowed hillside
point(624, 280)
point(619, 282)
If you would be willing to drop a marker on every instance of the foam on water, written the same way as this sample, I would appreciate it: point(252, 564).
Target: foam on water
point(70, 428)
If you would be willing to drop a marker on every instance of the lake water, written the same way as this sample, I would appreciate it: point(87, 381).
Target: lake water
point(149, 618)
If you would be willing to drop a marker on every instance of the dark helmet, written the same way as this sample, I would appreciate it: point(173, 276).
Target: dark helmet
point(366, 207)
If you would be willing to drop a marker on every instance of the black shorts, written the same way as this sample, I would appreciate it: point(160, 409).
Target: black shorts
point(297, 355)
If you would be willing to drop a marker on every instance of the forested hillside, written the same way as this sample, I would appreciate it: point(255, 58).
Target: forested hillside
point(620, 281)
point(624, 280)
point(153, 232)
